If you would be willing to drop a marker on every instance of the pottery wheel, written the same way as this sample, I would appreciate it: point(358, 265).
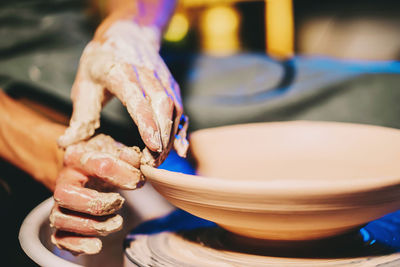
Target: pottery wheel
point(376, 244)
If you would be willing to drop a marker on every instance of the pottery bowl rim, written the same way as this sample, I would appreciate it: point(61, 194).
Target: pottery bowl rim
point(290, 188)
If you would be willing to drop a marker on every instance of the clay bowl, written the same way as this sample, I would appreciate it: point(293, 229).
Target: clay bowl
point(288, 180)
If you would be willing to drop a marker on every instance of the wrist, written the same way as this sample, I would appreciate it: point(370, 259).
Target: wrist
point(151, 16)
point(127, 31)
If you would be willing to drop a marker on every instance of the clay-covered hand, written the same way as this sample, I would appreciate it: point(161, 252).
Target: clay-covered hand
point(84, 206)
point(123, 60)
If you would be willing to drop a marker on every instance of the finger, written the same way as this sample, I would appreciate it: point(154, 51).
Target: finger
point(150, 73)
point(105, 143)
point(162, 73)
point(83, 224)
point(87, 101)
point(76, 244)
point(123, 82)
point(87, 200)
point(181, 144)
point(150, 158)
point(130, 155)
point(172, 87)
point(178, 140)
point(180, 124)
point(161, 101)
point(178, 106)
point(169, 83)
point(104, 166)
point(70, 193)
point(72, 177)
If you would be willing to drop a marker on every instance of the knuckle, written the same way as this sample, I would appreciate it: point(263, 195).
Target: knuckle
point(58, 194)
point(104, 167)
point(68, 159)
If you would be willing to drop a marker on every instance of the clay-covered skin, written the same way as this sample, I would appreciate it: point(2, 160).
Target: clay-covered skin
point(84, 225)
point(122, 60)
point(125, 62)
point(76, 244)
point(80, 212)
point(87, 200)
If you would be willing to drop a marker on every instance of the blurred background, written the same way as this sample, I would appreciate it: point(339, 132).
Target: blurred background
point(347, 29)
point(41, 42)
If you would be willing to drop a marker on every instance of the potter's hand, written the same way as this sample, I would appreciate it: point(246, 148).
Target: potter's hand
point(82, 213)
point(123, 60)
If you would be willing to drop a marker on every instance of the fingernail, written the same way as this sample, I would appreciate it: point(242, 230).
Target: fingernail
point(156, 140)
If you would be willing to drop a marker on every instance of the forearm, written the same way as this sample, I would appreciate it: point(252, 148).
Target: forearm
point(149, 13)
point(28, 141)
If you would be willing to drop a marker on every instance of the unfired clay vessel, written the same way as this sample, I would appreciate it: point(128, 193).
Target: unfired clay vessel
point(288, 180)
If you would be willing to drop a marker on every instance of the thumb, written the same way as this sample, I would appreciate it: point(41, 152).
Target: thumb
point(87, 99)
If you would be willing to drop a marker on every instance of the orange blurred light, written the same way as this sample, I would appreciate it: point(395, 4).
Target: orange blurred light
point(279, 27)
point(177, 28)
point(220, 30)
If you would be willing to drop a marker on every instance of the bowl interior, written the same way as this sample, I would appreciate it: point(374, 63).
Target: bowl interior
point(305, 151)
